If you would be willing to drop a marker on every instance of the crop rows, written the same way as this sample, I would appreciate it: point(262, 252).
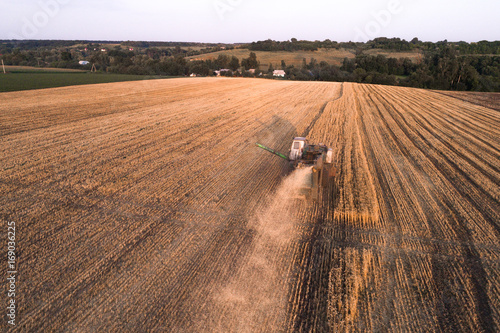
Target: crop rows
point(146, 206)
point(409, 240)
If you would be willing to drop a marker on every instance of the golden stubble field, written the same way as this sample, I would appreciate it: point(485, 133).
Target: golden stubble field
point(145, 206)
point(331, 56)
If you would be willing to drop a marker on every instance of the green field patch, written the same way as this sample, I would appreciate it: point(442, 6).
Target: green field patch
point(31, 69)
point(16, 81)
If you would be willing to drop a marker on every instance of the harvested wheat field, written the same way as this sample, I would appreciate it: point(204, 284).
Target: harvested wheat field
point(145, 206)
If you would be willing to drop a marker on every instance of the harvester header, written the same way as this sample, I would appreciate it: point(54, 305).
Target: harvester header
point(272, 151)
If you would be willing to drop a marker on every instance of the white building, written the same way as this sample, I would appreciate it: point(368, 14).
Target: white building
point(83, 62)
point(279, 73)
point(224, 70)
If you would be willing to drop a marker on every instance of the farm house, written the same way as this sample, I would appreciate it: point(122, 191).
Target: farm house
point(279, 73)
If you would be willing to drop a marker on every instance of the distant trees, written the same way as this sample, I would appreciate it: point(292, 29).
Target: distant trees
point(222, 61)
point(442, 65)
point(293, 45)
point(443, 70)
point(199, 67)
point(175, 66)
point(227, 73)
point(234, 63)
point(100, 59)
point(66, 56)
point(446, 70)
point(270, 69)
point(395, 44)
point(128, 62)
point(226, 62)
point(250, 62)
point(482, 47)
point(348, 65)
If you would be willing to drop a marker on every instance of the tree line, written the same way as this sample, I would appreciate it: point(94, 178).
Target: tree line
point(449, 66)
point(445, 71)
point(393, 44)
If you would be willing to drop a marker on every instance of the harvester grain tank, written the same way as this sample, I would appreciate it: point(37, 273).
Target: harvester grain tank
point(316, 156)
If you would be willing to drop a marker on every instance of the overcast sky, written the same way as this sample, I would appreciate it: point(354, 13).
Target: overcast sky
point(232, 21)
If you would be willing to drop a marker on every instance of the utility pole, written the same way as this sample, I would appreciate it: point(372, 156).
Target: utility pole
point(3, 66)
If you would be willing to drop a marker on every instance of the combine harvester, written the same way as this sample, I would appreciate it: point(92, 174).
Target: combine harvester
point(318, 157)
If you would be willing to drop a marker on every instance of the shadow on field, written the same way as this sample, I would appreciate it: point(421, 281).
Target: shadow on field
point(278, 135)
